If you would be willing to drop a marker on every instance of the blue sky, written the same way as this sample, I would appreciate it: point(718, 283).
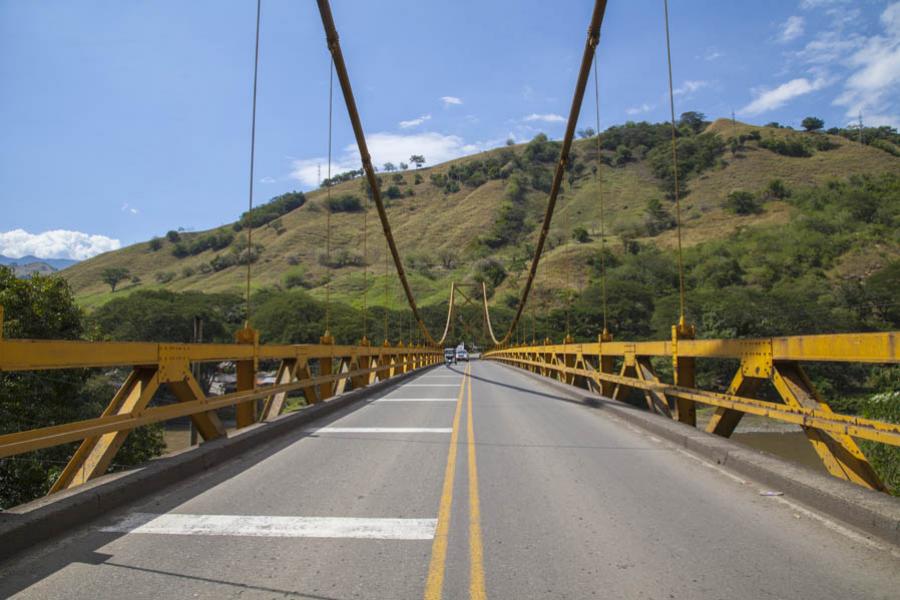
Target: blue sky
point(124, 119)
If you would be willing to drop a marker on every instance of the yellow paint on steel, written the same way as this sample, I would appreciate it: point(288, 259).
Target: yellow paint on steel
point(434, 585)
point(876, 431)
point(46, 437)
point(476, 548)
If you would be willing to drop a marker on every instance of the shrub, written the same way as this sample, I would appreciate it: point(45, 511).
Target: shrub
point(155, 244)
point(165, 276)
point(490, 271)
point(393, 192)
point(791, 146)
point(188, 272)
point(417, 179)
point(742, 203)
point(343, 203)
point(173, 236)
point(581, 235)
point(777, 189)
point(885, 459)
point(340, 259)
point(223, 261)
point(295, 278)
point(271, 210)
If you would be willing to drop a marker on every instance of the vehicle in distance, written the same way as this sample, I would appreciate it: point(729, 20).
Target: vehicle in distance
point(461, 354)
point(449, 355)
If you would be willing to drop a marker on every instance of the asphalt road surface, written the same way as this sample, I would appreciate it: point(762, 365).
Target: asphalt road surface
point(461, 485)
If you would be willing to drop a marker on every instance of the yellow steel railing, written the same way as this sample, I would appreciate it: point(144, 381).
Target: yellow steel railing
point(614, 369)
point(319, 371)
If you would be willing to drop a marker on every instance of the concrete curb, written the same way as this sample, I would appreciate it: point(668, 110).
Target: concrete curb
point(28, 524)
point(874, 513)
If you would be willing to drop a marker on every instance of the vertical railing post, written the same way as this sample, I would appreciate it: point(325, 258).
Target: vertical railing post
point(363, 361)
point(606, 364)
point(568, 359)
point(684, 369)
point(326, 367)
point(245, 412)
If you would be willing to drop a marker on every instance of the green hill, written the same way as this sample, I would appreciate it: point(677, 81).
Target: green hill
point(452, 220)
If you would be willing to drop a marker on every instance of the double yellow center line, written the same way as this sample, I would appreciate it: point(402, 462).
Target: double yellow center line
point(435, 584)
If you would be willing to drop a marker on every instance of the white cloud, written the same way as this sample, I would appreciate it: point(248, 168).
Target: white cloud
point(713, 55)
point(767, 99)
point(791, 29)
point(129, 209)
point(58, 243)
point(448, 100)
point(874, 84)
point(267, 179)
point(414, 122)
point(388, 147)
point(636, 110)
point(546, 118)
point(812, 4)
point(689, 87)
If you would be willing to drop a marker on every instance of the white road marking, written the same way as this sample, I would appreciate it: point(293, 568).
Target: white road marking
point(380, 430)
point(265, 526)
point(416, 400)
point(456, 385)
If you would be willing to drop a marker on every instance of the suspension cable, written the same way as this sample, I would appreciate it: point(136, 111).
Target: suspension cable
point(587, 58)
point(328, 201)
point(681, 320)
point(252, 161)
point(597, 182)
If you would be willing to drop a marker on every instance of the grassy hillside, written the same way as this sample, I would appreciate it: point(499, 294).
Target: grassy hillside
point(438, 221)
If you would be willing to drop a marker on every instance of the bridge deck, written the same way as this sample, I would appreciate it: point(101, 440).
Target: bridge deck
point(573, 504)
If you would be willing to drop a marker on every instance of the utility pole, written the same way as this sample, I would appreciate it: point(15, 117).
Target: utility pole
point(319, 174)
point(860, 128)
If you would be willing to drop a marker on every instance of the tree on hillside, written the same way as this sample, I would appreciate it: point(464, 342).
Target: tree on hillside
point(812, 123)
point(113, 275)
point(389, 166)
point(743, 203)
point(417, 159)
point(403, 166)
point(695, 120)
point(657, 218)
point(587, 132)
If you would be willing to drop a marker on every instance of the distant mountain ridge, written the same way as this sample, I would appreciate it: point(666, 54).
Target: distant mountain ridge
point(58, 264)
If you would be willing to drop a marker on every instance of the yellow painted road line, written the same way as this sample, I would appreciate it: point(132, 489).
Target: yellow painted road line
point(435, 584)
point(476, 549)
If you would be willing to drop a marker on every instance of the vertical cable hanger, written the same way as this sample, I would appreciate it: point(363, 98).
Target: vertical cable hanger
point(252, 161)
point(386, 295)
point(600, 198)
point(365, 315)
point(328, 200)
point(681, 318)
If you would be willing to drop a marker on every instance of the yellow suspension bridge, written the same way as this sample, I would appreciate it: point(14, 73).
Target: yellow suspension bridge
point(405, 479)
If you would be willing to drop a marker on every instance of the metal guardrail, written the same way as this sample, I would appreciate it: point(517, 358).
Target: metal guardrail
point(614, 369)
point(320, 371)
